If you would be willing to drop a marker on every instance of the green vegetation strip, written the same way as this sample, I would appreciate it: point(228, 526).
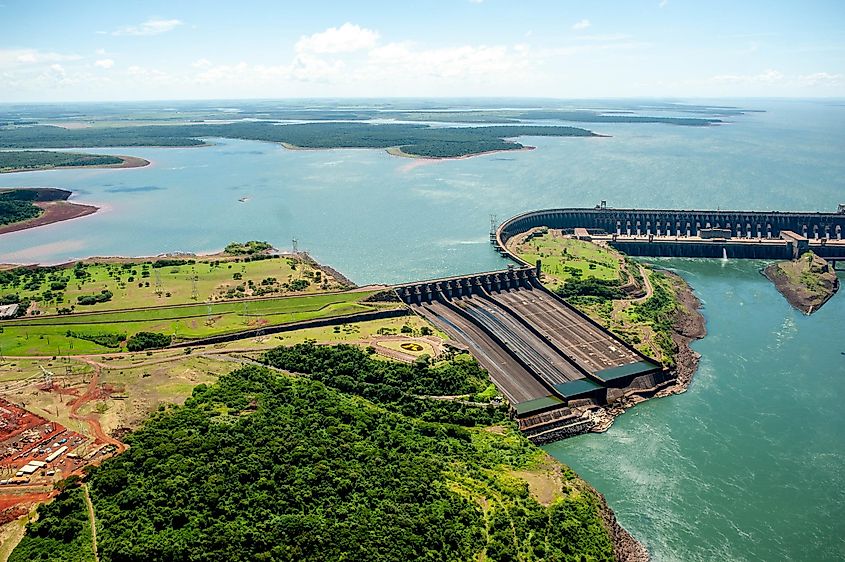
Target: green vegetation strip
point(37, 159)
point(93, 333)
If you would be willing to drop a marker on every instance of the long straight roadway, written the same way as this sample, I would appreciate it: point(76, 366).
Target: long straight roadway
point(515, 382)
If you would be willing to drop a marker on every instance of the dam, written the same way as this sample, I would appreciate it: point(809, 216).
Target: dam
point(555, 365)
point(694, 234)
point(545, 356)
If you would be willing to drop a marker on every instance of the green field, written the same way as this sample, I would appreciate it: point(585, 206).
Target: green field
point(49, 335)
point(139, 284)
point(565, 258)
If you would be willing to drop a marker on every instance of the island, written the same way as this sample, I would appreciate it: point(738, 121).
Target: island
point(411, 139)
point(31, 160)
point(807, 283)
point(23, 208)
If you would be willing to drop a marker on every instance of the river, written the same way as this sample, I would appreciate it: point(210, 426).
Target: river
point(746, 465)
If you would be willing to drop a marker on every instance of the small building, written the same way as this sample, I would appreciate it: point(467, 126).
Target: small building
point(56, 454)
point(707, 233)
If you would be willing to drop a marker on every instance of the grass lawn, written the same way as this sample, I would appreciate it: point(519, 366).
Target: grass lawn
point(48, 336)
point(137, 284)
point(565, 258)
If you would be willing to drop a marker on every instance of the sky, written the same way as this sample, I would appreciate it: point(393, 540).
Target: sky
point(95, 50)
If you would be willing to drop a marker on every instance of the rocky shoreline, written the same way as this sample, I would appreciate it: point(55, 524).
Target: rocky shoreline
point(625, 547)
point(791, 278)
point(689, 326)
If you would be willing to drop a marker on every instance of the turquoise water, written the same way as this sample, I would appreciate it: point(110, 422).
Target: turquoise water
point(747, 465)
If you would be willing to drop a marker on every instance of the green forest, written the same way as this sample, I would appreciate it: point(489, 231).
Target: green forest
point(267, 466)
point(16, 205)
point(420, 140)
point(62, 532)
point(38, 159)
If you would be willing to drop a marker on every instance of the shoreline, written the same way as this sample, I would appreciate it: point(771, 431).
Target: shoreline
point(54, 211)
point(796, 295)
point(688, 326)
point(626, 548)
point(126, 162)
point(397, 151)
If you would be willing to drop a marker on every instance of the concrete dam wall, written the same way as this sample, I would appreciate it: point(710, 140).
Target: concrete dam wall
point(664, 222)
point(679, 233)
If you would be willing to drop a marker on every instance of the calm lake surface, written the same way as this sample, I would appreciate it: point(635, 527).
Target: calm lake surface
point(749, 464)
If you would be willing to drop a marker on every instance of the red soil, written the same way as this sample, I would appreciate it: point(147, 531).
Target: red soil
point(54, 211)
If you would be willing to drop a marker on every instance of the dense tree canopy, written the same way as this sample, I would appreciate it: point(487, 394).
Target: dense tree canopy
point(35, 159)
point(265, 466)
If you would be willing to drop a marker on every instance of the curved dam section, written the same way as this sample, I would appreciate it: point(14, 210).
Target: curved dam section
point(693, 233)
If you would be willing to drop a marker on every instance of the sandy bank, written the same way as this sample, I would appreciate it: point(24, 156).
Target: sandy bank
point(54, 211)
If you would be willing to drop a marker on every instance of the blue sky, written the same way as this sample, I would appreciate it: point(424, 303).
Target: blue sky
point(95, 50)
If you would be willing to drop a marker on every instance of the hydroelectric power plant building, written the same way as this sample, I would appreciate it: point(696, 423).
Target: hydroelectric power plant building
point(553, 363)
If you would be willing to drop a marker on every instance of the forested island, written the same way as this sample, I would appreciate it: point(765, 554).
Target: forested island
point(29, 160)
point(349, 459)
point(413, 139)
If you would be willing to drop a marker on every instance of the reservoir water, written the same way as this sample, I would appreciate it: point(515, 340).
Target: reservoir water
point(746, 465)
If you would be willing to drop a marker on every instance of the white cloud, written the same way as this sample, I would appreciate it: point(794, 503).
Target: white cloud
point(583, 24)
point(766, 77)
point(104, 63)
point(344, 39)
point(819, 79)
point(404, 59)
point(25, 57)
point(201, 63)
point(147, 75)
point(153, 26)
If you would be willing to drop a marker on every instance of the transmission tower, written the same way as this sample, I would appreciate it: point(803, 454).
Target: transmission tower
point(208, 321)
point(48, 378)
point(493, 224)
point(246, 312)
point(195, 295)
point(158, 282)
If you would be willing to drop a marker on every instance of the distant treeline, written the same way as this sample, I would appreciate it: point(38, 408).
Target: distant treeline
point(419, 140)
point(45, 159)
point(594, 117)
